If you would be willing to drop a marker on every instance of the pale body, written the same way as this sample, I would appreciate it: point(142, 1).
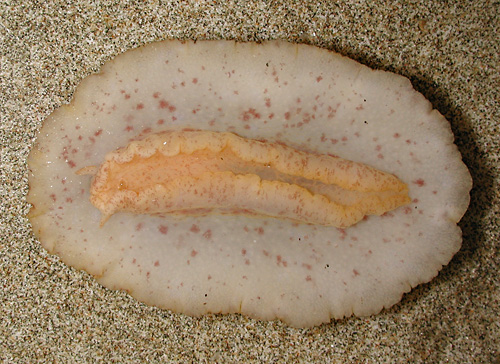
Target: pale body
point(307, 98)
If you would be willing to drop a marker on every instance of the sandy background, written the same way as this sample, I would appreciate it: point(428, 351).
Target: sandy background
point(52, 313)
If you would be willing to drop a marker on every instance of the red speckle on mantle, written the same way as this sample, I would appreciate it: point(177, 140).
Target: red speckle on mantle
point(166, 105)
point(207, 234)
point(250, 113)
point(419, 182)
point(259, 230)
